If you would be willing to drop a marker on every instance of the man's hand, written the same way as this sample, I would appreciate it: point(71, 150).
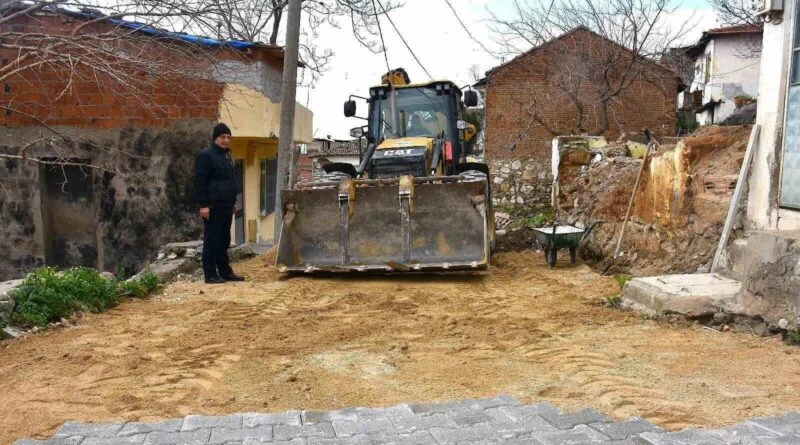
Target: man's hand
point(204, 212)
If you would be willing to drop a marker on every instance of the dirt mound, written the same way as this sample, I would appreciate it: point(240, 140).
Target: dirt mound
point(678, 211)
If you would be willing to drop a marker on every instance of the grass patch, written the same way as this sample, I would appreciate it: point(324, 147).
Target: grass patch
point(612, 302)
point(792, 337)
point(47, 295)
point(622, 279)
point(539, 220)
point(141, 286)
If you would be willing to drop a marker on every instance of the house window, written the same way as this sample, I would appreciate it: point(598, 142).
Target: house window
point(269, 174)
point(790, 167)
point(795, 78)
point(707, 76)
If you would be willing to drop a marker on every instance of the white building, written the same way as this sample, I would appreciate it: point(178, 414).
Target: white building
point(726, 72)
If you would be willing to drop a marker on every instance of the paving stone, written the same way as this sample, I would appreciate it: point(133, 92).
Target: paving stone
point(786, 424)
point(462, 435)
point(415, 438)
point(289, 432)
point(408, 425)
point(135, 439)
point(424, 409)
point(532, 424)
point(222, 435)
point(89, 429)
point(785, 440)
point(73, 440)
point(521, 412)
point(315, 417)
point(568, 421)
point(348, 414)
point(630, 441)
point(495, 402)
point(403, 410)
point(625, 429)
point(362, 439)
point(469, 418)
point(194, 422)
point(252, 420)
point(180, 437)
point(744, 430)
point(581, 434)
point(139, 427)
point(521, 441)
point(685, 437)
point(344, 428)
point(297, 441)
point(377, 426)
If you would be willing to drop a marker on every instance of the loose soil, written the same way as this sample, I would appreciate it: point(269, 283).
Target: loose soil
point(273, 344)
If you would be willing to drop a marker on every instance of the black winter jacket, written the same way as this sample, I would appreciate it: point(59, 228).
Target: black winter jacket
point(215, 176)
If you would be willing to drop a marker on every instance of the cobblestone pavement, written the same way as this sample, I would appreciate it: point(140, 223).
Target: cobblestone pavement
point(497, 420)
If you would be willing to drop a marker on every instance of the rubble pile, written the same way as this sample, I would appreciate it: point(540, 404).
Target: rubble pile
point(679, 208)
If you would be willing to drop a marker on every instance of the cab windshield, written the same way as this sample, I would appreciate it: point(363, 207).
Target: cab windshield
point(415, 112)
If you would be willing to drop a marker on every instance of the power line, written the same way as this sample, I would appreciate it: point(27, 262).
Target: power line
point(380, 32)
point(403, 39)
point(467, 29)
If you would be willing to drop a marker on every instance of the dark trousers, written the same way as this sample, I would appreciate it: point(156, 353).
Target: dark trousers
point(217, 239)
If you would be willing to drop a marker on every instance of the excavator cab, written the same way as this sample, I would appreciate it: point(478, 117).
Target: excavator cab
point(414, 203)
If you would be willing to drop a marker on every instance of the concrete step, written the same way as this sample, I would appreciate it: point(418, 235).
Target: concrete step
point(694, 295)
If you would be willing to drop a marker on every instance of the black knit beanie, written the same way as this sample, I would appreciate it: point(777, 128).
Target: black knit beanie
point(219, 129)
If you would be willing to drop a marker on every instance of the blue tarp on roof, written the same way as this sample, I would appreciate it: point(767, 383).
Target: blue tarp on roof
point(153, 31)
point(147, 29)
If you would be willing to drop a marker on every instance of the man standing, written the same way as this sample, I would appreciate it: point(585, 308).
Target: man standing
point(216, 185)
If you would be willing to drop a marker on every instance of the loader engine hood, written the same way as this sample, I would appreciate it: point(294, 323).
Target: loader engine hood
point(402, 156)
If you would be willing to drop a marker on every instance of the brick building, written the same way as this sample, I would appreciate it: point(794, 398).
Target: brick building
point(562, 87)
point(100, 128)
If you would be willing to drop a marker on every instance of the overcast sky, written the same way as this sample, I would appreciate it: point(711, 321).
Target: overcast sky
point(440, 43)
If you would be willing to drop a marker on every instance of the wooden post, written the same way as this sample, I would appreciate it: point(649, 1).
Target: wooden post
point(633, 194)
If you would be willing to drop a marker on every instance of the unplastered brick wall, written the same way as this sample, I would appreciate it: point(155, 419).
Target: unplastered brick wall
point(530, 100)
point(56, 94)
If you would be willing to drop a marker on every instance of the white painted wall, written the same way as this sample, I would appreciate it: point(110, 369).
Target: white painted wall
point(731, 75)
point(762, 203)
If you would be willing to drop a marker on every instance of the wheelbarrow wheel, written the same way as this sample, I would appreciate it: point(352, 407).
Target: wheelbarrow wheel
point(552, 256)
point(573, 254)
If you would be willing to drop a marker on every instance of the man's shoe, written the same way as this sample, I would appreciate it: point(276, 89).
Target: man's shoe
point(233, 277)
point(214, 280)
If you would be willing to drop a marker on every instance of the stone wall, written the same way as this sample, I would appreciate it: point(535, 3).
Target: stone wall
point(521, 182)
point(143, 194)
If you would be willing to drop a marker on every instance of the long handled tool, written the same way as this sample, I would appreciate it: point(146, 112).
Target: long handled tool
point(651, 141)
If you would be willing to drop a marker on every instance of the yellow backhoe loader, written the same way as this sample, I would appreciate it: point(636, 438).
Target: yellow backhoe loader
point(416, 202)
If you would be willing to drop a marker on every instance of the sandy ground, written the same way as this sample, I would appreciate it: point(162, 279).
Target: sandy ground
point(274, 344)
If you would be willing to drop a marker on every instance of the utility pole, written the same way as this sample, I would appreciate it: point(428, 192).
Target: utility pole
point(288, 98)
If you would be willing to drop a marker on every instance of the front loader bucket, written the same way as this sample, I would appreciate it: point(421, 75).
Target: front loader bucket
point(389, 225)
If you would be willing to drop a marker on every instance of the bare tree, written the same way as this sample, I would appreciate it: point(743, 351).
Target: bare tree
point(261, 20)
point(735, 12)
point(475, 73)
point(741, 13)
point(592, 71)
point(93, 51)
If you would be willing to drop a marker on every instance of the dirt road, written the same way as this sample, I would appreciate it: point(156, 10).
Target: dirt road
point(322, 343)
